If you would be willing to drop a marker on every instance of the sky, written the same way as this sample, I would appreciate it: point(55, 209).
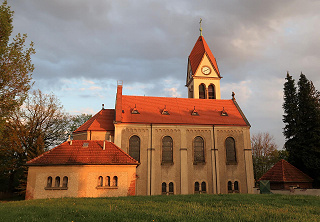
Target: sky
point(84, 47)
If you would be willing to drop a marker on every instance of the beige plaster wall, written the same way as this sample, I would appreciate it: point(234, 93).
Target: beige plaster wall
point(82, 181)
point(242, 170)
point(183, 172)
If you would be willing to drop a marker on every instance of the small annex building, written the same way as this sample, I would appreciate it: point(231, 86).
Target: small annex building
point(283, 176)
point(81, 168)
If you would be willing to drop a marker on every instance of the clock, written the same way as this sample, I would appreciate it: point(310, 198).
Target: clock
point(206, 70)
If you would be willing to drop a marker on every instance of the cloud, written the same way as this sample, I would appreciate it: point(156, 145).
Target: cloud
point(83, 45)
point(172, 92)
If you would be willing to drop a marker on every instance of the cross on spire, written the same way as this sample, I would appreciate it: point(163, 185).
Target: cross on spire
point(200, 27)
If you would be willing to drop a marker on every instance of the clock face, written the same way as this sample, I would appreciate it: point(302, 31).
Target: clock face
point(206, 70)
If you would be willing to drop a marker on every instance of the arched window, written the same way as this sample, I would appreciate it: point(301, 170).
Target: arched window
point(167, 149)
point(57, 182)
point(108, 181)
point(198, 146)
point(196, 187)
point(100, 181)
point(134, 147)
point(203, 187)
point(49, 182)
point(229, 187)
point(236, 186)
point(65, 182)
point(171, 188)
point(115, 181)
point(164, 188)
point(231, 151)
point(202, 91)
point(211, 92)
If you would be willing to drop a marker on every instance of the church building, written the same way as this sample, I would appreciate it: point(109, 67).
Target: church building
point(199, 144)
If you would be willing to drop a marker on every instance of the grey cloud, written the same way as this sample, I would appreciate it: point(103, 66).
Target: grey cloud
point(147, 42)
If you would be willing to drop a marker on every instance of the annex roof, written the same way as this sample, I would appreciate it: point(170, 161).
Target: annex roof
point(84, 152)
point(102, 121)
point(167, 110)
point(283, 171)
point(199, 50)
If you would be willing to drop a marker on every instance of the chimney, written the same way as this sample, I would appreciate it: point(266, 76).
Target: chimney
point(102, 106)
point(104, 145)
point(69, 140)
point(119, 102)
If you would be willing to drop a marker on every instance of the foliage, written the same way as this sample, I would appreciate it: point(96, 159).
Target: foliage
point(34, 128)
point(264, 153)
point(15, 66)
point(302, 126)
point(204, 207)
point(76, 121)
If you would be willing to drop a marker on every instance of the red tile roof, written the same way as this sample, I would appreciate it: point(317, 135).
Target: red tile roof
point(283, 171)
point(199, 50)
point(102, 121)
point(180, 109)
point(79, 154)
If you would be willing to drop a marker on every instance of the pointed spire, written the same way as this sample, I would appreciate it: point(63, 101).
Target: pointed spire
point(200, 27)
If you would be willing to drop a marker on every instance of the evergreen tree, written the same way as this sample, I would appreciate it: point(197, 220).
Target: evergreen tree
point(302, 126)
point(290, 107)
point(307, 157)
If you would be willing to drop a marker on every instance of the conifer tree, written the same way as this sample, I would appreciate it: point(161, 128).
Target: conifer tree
point(290, 116)
point(307, 157)
point(302, 126)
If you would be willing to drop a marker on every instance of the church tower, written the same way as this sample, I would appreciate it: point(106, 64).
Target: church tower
point(203, 76)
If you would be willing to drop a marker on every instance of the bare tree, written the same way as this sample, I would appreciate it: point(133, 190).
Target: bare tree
point(264, 153)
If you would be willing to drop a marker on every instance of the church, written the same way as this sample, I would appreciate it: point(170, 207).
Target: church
point(160, 145)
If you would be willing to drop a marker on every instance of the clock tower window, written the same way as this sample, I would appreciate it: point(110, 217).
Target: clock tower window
point(211, 93)
point(202, 91)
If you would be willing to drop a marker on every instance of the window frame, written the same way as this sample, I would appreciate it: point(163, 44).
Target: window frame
point(213, 96)
point(164, 150)
point(171, 188)
point(231, 153)
point(204, 91)
point(131, 147)
point(196, 152)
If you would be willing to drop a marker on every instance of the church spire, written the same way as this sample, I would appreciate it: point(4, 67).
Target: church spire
point(200, 27)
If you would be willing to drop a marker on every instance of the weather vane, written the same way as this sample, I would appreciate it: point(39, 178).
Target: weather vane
point(200, 27)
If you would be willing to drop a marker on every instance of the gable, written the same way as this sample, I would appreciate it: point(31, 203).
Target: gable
point(205, 62)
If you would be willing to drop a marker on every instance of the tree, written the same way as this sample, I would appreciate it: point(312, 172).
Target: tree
point(264, 153)
point(37, 126)
point(290, 107)
point(307, 156)
point(302, 126)
point(76, 121)
point(15, 66)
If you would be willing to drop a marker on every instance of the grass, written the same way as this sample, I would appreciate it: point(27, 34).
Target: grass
point(237, 207)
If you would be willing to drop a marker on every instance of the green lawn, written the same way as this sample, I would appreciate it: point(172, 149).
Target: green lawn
point(233, 207)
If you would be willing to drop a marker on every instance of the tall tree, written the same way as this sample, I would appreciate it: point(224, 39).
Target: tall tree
point(302, 126)
point(264, 153)
point(290, 107)
point(307, 156)
point(15, 66)
point(36, 127)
